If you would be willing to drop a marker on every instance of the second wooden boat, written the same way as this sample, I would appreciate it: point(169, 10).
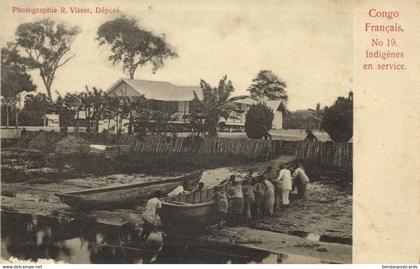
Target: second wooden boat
point(190, 211)
point(124, 196)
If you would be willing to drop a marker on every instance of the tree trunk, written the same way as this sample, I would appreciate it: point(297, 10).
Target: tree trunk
point(211, 124)
point(96, 126)
point(48, 88)
point(76, 130)
point(116, 124)
point(119, 124)
point(130, 123)
point(16, 118)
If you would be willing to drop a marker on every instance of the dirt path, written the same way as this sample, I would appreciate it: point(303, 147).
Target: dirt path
point(327, 211)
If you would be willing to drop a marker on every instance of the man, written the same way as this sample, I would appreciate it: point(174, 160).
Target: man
point(277, 189)
point(237, 196)
point(150, 216)
point(222, 205)
point(268, 174)
point(269, 198)
point(285, 177)
point(310, 136)
point(200, 186)
point(180, 190)
point(301, 180)
point(260, 196)
point(249, 198)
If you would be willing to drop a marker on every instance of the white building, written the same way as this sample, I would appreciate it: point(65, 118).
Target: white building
point(51, 120)
point(177, 101)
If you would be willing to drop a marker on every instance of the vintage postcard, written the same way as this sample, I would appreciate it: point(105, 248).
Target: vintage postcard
point(210, 132)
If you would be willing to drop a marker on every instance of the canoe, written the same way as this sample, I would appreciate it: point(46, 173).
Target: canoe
point(190, 211)
point(124, 196)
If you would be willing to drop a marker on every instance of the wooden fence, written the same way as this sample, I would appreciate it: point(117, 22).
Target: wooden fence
point(250, 148)
point(334, 154)
point(253, 149)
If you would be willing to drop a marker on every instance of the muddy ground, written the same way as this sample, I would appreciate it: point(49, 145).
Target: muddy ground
point(326, 213)
point(327, 210)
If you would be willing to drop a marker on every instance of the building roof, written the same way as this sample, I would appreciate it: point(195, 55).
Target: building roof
point(279, 105)
point(159, 90)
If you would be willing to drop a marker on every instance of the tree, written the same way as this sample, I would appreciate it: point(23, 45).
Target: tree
point(14, 80)
point(92, 103)
point(34, 108)
point(109, 112)
point(216, 103)
point(258, 121)
point(338, 119)
point(303, 119)
point(66, 111)
point(160, 121)
point(45, 43)
point(71, 105)
point(268, 85)
point(133, 46)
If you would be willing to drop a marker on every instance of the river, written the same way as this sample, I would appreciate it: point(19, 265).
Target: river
point(29, 237)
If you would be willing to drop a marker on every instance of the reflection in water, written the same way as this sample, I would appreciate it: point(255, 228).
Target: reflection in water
point(73, 241)
point(30, 238)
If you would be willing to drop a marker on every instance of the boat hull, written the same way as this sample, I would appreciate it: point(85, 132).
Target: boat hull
point(194, 217)
point(126, 196)
point(192, 211)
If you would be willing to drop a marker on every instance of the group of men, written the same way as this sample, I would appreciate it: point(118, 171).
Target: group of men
point(261, 195)
point(254, 197)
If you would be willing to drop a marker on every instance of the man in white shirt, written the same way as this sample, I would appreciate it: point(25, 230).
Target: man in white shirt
point(179, 190)
point(285, 177)
point(301, 180)
point(150, 216)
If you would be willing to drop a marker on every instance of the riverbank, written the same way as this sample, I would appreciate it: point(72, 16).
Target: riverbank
point(296, 230)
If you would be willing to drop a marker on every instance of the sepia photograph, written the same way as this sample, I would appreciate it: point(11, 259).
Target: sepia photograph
point(187, 132)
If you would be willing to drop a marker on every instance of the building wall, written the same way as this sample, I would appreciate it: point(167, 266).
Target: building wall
point(278, 120)
point(240, 116)
point(184, 107)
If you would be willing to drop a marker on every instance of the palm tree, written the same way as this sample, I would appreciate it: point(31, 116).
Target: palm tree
point(93, 103)
point(73, 103)
point(122, 107)
point(8, 103)
point(109, 113)
point(216, 103)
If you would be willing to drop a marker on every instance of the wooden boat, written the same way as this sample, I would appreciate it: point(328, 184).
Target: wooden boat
point(124, 196)
point(190, 211)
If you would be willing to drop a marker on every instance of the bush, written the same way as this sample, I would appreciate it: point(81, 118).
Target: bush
point(338, 119)
point(258, 121)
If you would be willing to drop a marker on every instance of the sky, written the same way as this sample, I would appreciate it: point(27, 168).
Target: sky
point(308, 44)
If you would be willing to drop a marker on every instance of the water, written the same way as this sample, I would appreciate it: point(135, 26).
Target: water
point(65, 240)
point(68, 240)
point(322, 238)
